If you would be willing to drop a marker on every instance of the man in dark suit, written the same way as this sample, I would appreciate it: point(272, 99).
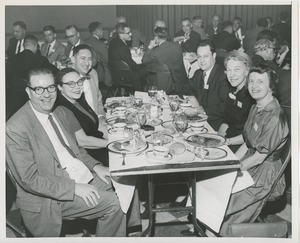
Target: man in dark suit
point(52, 48)
point(283, 29)
point(209, 85)
point(55, 178)
point(100, 52)
point(215, 27)
point(73, 37)
point(186, 37)
point(16, 43)
point(162, 51)
point(119, 51)
point(238, 30)
point(17, 68)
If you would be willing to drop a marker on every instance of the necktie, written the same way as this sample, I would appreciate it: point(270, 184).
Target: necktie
point(61, 139)
point(237, 36)
point(204, 75)
point(48, 49)
point(19, 46)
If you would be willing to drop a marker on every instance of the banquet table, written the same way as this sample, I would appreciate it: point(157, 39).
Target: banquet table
point(124, 176)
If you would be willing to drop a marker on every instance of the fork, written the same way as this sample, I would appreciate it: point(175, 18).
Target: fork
point(123, 154)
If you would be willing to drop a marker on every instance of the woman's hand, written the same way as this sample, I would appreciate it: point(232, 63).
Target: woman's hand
point(223, 129)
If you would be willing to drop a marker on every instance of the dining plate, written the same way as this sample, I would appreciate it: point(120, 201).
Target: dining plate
point(154, 122)
point(206, 140)
point(129, 120)
point(113, 104)
point(167, 139)
point(116, 145)
point(197, 118)
point(214, 154)
point(190, 131)
point(155, 159)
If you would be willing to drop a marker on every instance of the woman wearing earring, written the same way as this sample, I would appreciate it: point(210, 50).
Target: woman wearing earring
point(71, 96)
point(238, 101)
point(265, 134)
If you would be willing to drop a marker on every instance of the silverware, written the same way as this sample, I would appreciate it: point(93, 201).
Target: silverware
point(123, 154)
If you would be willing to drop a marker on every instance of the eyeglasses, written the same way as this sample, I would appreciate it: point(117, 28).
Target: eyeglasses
point(71, 36)
point(128, 33)
point(41, 90)
point(72, 84)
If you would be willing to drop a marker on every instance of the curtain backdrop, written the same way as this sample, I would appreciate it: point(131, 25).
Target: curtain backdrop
point(143, 17)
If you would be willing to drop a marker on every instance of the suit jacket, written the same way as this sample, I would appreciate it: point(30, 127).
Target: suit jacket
point(283, 31)
point(41, 182)
point(212, 99)
point(210, 31)
point(250, 40)
point(170, 54)
point(101, 53)
point(225, 41)
point(191, 44)
point(96, 93)
point(57, 53)
point(69, 48)
point(12, 45)
point(119, 51)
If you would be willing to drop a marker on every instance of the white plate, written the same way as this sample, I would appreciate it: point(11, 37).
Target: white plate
point(190, 131)
point(167, 139)
point(206, 140)
point(155, 159)
point(111, 148)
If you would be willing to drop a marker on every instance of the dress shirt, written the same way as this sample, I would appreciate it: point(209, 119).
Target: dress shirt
point(71, 52)
point(51, 47)
point(88, 93)
point(76, 169)
point(20, 45)
point(207, 73)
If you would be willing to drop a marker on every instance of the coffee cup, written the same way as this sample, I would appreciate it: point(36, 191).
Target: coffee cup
point(160, 151)
point(120, 110)
point(119, 126)
point(197, 127)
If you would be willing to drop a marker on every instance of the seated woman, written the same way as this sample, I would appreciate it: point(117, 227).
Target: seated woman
point(238, 101)
point(265, 134)
point(72, 97)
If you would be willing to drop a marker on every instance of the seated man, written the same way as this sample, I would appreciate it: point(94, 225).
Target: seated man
point(55, 178)
point(187, 37)
point(198, 27)
point(162, 51)
point(52, 48)
point(16, 43)
point(73, 37)
point(215, 26)
point(210, 85)
point(119, 51)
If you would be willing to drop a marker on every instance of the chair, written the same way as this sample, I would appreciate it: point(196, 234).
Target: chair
point(122, 77)
point(160, 76)
point(15, 222)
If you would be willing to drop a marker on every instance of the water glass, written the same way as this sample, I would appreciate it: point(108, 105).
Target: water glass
point(141, 118)
point(180, 123)
point(152, 90)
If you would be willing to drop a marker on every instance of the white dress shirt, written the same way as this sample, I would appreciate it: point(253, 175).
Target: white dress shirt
point(20, 42)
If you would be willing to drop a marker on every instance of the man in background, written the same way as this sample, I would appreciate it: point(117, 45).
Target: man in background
point(238, 30)
point(73, 37)
point(16, 43)
point(215, 26)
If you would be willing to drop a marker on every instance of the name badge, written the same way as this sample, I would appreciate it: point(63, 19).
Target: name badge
point(206, 86)
point(255, 127)
point(232, 96)
point(239, 104)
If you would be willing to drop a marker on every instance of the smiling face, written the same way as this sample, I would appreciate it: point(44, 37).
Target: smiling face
point(236, 72)
point(206, 58)
point(259, 85)
point(82, 61)
point(74, 93)
point(44, 102)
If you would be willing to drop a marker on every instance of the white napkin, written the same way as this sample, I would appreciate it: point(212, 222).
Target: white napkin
point(242, 181)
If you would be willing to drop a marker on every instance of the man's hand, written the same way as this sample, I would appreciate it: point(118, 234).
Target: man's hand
point(102, 172)
point(222, 129)
point(88, 193)
point(152, 44)
point(195, 103)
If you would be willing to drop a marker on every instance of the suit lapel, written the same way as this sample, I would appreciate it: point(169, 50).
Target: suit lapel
point(212, 75)
point(39, 131)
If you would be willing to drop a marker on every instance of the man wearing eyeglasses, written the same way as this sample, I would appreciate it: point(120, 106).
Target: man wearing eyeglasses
point(119, 51)
point(186, 37)
point(55, 178)
point(73, 38)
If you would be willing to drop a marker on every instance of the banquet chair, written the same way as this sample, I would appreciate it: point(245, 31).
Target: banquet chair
point(160, 76)
point(15, 222)
point(122, 77)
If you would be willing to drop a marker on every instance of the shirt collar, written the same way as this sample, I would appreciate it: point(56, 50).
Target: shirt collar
point(96, 36)
point(42, 117)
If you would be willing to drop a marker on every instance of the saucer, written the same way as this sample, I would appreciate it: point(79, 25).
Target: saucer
point(152, 156)
point(190, 131)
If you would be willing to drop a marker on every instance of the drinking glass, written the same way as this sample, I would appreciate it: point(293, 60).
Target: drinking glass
point(138, 102)
point(141, 118)
point(157, 138)
point(152, 90)
point(180, 123)
point(174, 106)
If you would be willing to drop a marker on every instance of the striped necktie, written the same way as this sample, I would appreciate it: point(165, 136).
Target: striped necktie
point(48, 49)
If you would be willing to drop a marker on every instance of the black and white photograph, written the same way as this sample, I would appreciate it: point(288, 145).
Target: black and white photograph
point(171, 120)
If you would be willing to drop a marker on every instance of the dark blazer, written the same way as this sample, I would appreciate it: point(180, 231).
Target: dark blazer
point(225, 41)
point(170, 54)
point(210, 31)
point(284, 34)
point(12, 45)
point(101, 54)
point(213, 98)
point(191, 44)
point(41, 181)
point(58, 51)
point(119, 51)
point(250, 40)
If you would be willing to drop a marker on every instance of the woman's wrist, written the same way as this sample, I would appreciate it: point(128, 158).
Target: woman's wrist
point(228, 141)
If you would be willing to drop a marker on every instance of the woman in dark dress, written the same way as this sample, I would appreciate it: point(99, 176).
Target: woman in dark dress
point(238, 101)
point(265, 133)
point(71, 96)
